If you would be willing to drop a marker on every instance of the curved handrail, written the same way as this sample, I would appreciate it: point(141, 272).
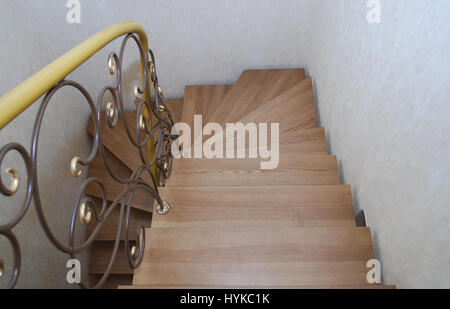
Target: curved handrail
point(153, 120)
point(18, 99)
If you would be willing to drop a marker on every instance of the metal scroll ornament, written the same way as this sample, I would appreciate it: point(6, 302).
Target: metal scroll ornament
point(153, 125)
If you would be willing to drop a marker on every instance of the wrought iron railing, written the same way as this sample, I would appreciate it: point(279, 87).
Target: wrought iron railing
point(152, 140)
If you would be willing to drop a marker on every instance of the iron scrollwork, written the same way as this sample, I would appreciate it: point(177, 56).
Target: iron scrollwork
point(149, 100)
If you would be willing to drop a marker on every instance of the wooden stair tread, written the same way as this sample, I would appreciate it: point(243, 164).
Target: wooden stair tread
point(281, 206)
point(303, 141)
point(294, 109)
point(202, 100)
point(117, 142)
point(101, 254)
point(303, 136)
point(293, 169)
point(175, 107)
point(253, 88)
point(256, 257)
point(296, 141)
point(142, 200)
point(109, 230)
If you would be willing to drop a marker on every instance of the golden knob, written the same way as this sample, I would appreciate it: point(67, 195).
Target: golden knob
point(137, 92)
point(2, 268)
point(142, 122)
point(15, 180)
point(111, 64)
point(133, 251)
point(85, 214)
point(110, 110)
point(74, 166)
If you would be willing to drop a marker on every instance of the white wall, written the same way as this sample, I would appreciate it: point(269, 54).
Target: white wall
point(382, 92)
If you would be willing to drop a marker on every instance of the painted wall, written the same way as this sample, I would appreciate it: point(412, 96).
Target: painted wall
point(382, 92)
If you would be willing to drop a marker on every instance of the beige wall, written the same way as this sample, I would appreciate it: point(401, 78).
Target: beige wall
point(382, 92)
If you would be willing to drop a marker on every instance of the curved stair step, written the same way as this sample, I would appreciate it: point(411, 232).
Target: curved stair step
point(295, 109)
point(141, 199)
point(296, 141)
point(202, 100)
point(281, 206)
point(302, 141)
point(117, 142)
point(100, 256)
point(175, 107)
point(256, 257)
point(253, 88)
point(109, 230)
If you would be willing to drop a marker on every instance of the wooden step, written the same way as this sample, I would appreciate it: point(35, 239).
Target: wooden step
point(293, 169)
point(295, 109)
point(175, 107)
point(100, 255)
point(142, 199)
point(109, 230)
point(202, 100)
point(116, 140)
point(307, 141)
point(281, 206)
point(296, 141)
point(253, 88)
point(194, 287)
point(256, 257)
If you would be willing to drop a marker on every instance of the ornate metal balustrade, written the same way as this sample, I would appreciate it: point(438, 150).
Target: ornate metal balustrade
point(153, 133)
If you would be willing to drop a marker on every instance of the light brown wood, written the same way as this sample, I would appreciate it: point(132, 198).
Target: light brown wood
point(301, 141)
point(294, 109)
point(175, 107)
point(116, 140)
point(295, 141)
point(101, 254)
point(292, 170)
point(281, 206)
point(142, 199)
point(253, 88)
point(256, 257)
point(202, 100)
point(109, 230)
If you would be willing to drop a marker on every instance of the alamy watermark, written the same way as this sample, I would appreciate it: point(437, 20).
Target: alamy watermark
point(374, 274)
point(374, 14)
point(74, 274)
point(74, 13)
point(229, 143)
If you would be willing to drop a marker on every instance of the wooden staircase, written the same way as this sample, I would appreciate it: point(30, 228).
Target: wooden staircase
point(232, 224)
